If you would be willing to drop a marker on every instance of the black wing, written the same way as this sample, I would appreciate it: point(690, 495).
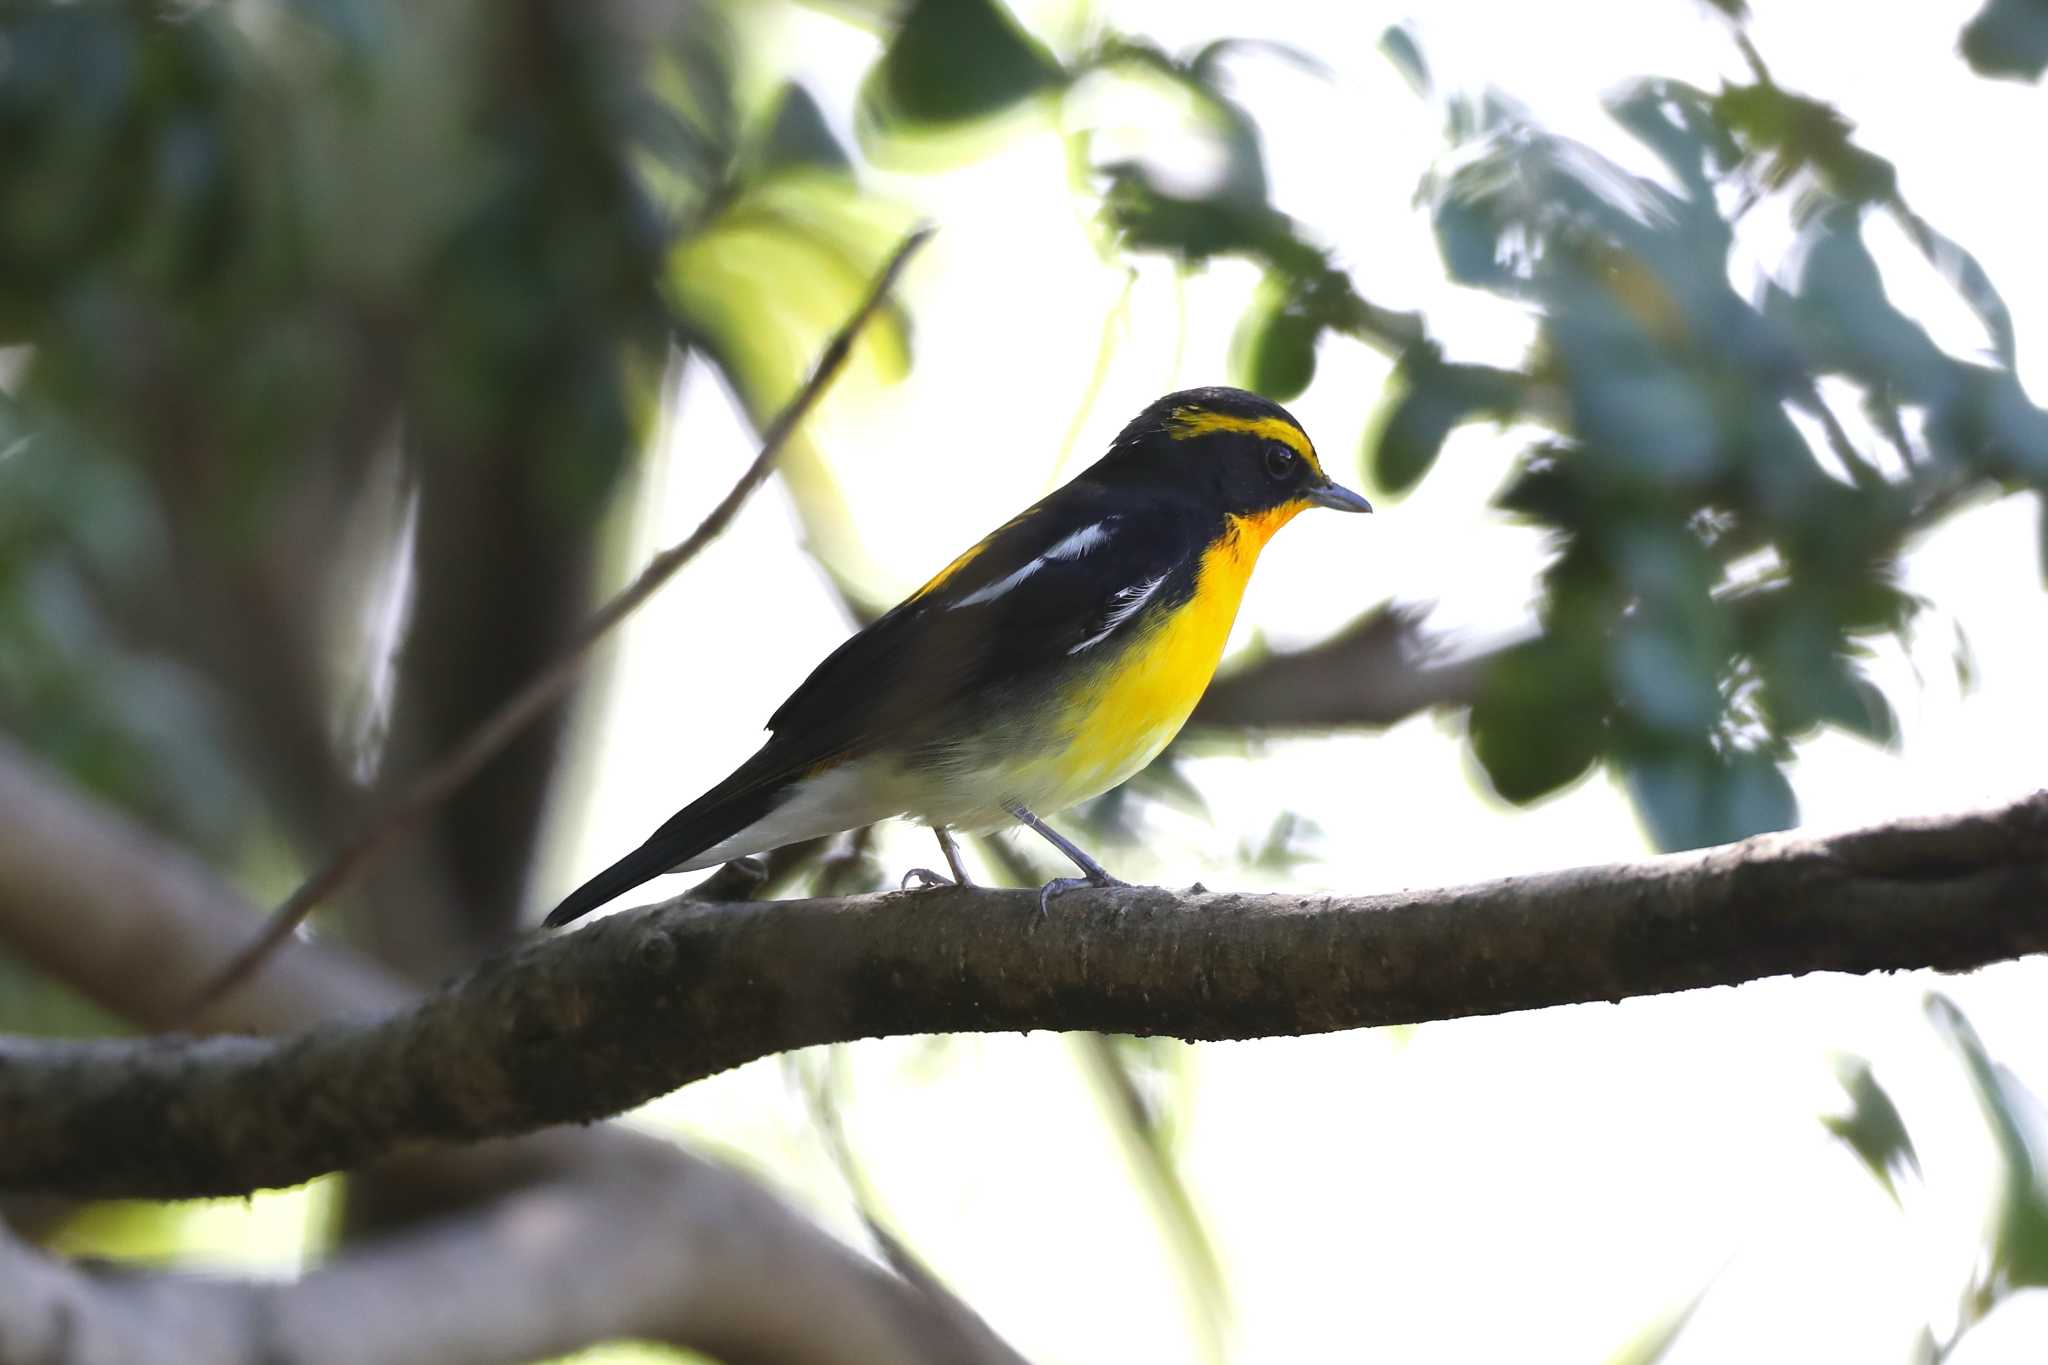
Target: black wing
point(1000, 625)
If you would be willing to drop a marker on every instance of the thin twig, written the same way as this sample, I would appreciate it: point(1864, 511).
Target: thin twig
point(546, 687)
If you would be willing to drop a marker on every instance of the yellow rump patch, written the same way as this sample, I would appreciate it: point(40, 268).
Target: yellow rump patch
point(1191, 422)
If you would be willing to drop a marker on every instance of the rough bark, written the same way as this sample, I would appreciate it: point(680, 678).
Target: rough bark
point(590, 1023)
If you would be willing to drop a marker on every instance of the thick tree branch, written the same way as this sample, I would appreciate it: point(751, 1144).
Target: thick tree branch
point(594, 1022)
point(137, 923)
point(708, 1262)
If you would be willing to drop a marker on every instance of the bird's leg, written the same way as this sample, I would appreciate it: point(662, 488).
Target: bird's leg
point(925, 877)
point(951, 849)
point(1092, 872)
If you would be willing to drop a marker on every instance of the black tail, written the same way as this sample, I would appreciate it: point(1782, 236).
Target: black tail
point(718, 814)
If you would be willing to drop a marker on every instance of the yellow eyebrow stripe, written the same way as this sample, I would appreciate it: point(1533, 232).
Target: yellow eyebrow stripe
point(1190, 422)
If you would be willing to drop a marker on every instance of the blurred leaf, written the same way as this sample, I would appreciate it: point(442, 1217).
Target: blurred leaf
point(798, 136)
point(1872, 1128)
point(1983, 418)
point(2019, 1242)
point(1654, 1342)
point(1274, 350)
point(764, 283)
point(1807, 680)
point(759, 290)
point(2041, 532)
point(1286, 847)
point(1546, 487)
point(1191, 229)
point(1435, 397)
point(1165, 779)
point(1792, 133)
point(362, 26)
point(1398, 45)
point(1664, 679)
point(1540, 720)
point(955, 61)
point(1839, 308)
point(1967, 276)
point(1205, 65)
point(1697, 798)
point(1862, 709)
point(2008, 38)
point(1217, 118)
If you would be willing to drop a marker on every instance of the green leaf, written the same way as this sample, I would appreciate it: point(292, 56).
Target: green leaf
point(763, 285)
point(1808, 682)
point(1437, 397)
point(2008, 38)
point(1539, 721)
point(1547, 487)
point(2019, 1240)
point(1860, 707)
point(1664, 679)
point(956, 61)
point(1872, 1128)
point(1274, 351)
point(1398, 46)
point(1696, 797)
point(798, 136)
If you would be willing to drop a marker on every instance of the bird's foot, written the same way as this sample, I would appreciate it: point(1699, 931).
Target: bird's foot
point(1061, 885)
point(925, 878)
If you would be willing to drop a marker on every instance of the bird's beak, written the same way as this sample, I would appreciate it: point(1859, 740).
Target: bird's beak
point(1337, 497)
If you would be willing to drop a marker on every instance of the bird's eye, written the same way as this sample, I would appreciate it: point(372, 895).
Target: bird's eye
point(1280, 461)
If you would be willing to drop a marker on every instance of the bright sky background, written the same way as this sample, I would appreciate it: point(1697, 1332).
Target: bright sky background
point(1535, 1187)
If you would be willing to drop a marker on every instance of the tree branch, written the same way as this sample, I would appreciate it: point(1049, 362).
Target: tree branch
point(137, 923)
point(708, 1262)
point(1379, 670)
point(587, 1024)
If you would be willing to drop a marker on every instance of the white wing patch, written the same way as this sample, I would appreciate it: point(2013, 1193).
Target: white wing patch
point(1072, 546)
point(1128, 602)
point(1082, 541)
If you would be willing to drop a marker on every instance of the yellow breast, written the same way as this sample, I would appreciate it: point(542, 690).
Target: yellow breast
point(1121, 718)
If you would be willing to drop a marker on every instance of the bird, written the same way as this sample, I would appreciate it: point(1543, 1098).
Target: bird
point(1045, 664)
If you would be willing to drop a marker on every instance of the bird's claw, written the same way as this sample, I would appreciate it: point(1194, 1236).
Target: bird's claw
point(925, 878)
point(1060, 885)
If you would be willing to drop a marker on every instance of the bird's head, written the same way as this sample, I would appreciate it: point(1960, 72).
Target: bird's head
point(1242, 453)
